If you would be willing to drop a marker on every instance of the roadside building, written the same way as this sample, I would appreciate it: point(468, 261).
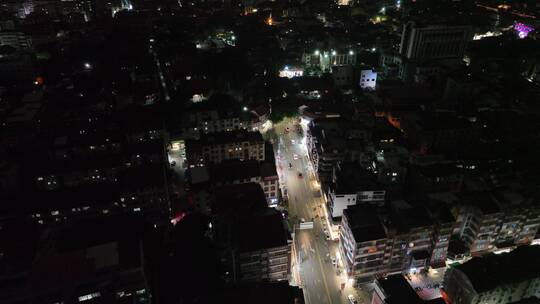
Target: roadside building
point(219, 146)
point(503, 278)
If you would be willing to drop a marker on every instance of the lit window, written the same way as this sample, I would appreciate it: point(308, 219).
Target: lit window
point(136, 209)
point(89, 296)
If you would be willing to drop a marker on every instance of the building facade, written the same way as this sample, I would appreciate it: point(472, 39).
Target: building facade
point(434, 41)
point(216, 147)
point(503, 278)
point(374, 244)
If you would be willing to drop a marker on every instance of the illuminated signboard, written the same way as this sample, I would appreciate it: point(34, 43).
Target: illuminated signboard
point(523, 30)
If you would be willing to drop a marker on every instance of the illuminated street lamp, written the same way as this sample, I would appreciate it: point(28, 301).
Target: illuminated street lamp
point(87, 66)
point(351, 53)
point(245, 109)
point(317, 52)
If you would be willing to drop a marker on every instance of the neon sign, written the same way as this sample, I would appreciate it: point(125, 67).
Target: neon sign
point(523, 30)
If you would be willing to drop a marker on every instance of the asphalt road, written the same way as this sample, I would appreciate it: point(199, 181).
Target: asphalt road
point(319, 278)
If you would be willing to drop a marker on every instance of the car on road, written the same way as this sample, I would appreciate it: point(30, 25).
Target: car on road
point(328, 238)
point(300, 175)
point(293, 141)
point(295, 156)
point(352, 299)
point(333, 261)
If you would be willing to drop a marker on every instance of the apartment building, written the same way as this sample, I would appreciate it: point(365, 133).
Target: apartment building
point(503, 278)
point(250, 171)
point(331, 140)
point(89, 262)
point(264, 248)
point(17, 40)
point(219, 146)
point(487, 222)
point(350, 185)
point(379, 242)
point(434, 41)
point(253, 240)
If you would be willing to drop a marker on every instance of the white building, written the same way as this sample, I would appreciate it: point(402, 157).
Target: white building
point(368, 79)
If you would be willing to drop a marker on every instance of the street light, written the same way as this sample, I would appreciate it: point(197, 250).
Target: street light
point(87, 66)
point(245, 109)
point(333, 53)
point(351, 52)
point(317, 52)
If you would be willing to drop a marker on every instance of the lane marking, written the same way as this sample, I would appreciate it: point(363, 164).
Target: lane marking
point(323, 274)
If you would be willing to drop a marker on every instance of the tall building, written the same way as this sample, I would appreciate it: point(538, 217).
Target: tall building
point(17, 40)
point(253, 240)
point(433, 41)
point(487, 222)
point(216, 147)
point(405, 238)
point(504, 278)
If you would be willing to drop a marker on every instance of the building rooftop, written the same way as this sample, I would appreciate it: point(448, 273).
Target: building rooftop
point(240, 198)
point(350, 177)
point(261, 231)
point(364, 223)
point(397, 290)
point(482, 200)
point(234, 170)
point(491, 271)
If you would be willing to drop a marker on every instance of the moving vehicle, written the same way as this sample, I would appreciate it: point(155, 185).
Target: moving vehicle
point(295, 156)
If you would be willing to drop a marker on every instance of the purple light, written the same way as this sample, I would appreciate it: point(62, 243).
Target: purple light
point(523, 30)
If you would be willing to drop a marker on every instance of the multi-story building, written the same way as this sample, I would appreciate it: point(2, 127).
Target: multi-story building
point(264, 248)
point(253, 240)
point(17, 40)
point(327, 59)
point(331, 140)
point(91, 168)
point(421, 42)
point(216, 147)
point(350, 185)
point(368, 79)
point(395, 289)
point(504, 278)
point(424, 48)
point(250, 171)
point(88, 262)
point(487, 223)
point(374, 243)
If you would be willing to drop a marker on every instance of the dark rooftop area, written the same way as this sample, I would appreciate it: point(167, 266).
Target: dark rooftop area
point(491, 271)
